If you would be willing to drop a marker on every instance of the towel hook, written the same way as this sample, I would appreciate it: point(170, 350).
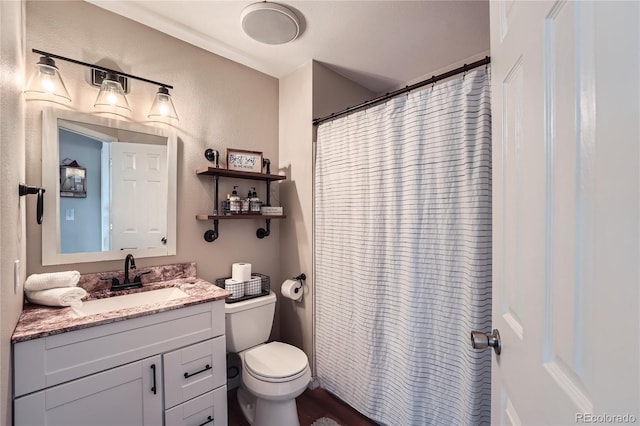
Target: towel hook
point(26, 190)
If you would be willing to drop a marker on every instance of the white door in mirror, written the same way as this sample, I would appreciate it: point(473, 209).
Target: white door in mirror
point(139, 212)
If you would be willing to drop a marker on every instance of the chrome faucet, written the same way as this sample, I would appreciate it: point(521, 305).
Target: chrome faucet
point(129, 263)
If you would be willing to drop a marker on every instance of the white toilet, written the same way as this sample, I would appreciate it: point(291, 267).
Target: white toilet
point(273, 374)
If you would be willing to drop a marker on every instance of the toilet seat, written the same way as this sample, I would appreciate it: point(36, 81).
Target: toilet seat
point(276, 362)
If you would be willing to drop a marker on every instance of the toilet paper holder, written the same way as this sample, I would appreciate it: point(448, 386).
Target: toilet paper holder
point(302, 277)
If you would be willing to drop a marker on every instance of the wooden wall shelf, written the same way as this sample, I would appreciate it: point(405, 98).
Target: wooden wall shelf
point(214, 171)
point(217, 173)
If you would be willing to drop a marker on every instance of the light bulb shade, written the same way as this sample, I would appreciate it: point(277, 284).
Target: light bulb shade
point(162, 107)
point(46, 83)
point(111, 97)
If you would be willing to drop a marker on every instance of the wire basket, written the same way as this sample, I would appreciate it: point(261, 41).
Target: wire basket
point(258, 285)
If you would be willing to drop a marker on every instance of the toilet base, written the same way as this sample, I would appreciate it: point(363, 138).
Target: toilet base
point(276, 413)
point(263, 412)
point(247, 404)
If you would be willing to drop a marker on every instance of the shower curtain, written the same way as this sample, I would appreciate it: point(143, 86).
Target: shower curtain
point(403, 255)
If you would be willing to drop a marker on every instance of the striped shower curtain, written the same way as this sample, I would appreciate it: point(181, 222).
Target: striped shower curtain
point(403, 255)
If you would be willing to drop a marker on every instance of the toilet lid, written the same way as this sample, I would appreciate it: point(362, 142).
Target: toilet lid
point(275, 360)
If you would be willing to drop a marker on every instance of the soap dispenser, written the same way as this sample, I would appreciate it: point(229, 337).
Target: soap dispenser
point(234, 201)
point(256, 203)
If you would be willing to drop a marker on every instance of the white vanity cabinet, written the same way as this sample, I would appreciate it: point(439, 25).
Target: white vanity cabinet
point(127, 372)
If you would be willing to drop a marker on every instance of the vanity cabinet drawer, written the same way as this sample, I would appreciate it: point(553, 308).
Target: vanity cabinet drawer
point(194, 370)
point(209, 409)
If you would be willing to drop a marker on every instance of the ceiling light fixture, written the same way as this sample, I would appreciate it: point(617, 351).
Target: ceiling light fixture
point(111, 96)
point(270, 23)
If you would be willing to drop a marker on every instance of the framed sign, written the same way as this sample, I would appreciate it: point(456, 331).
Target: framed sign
point(246, 161)
point(73, 182)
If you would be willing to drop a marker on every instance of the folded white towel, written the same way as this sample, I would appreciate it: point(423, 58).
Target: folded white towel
point(52, 280)
point(63, 296)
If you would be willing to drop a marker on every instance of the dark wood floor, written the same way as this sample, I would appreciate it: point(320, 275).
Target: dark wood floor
point(312, 405)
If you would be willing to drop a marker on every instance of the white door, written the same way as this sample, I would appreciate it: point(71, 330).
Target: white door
point(566, 194)
point(139, 211)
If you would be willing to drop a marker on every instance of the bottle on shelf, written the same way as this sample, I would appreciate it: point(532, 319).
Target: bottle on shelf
point(246, 204)
point(225, 207)
point(234, 201)
point(255, 205)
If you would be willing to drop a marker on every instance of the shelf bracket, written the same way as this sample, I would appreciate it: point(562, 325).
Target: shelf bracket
point(262, 232)
point(212, 234)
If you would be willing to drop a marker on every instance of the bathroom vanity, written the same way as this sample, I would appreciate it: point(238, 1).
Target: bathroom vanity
point(159, 363)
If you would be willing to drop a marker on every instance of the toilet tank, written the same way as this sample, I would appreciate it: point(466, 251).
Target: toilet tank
point(248, 323)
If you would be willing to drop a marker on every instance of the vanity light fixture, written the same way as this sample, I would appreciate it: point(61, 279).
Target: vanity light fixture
point(162, 106)
point(111, 96)
point(46, 83)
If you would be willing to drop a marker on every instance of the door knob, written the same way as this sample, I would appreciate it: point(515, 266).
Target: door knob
point(480, 340)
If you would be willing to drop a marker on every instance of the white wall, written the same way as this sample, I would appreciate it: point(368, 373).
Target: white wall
point(311, 91)
point(12, 212)
point(220, 104)
point(295, 193)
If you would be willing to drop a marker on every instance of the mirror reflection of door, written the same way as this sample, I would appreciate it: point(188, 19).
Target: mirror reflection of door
point(139, 177)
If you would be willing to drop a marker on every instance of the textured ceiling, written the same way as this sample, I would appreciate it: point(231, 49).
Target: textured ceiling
point(380, 44)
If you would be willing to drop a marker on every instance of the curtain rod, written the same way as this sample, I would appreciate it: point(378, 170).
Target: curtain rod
point(380, 99)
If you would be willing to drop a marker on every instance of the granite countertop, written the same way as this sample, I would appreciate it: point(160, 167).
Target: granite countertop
point(40, 321)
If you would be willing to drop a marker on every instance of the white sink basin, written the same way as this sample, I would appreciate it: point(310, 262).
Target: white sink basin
point(100, 306)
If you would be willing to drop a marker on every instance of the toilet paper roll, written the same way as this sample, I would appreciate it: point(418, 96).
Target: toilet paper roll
point(253, 286)
point(241, 271)
point(235, 287)
point(292, 289)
